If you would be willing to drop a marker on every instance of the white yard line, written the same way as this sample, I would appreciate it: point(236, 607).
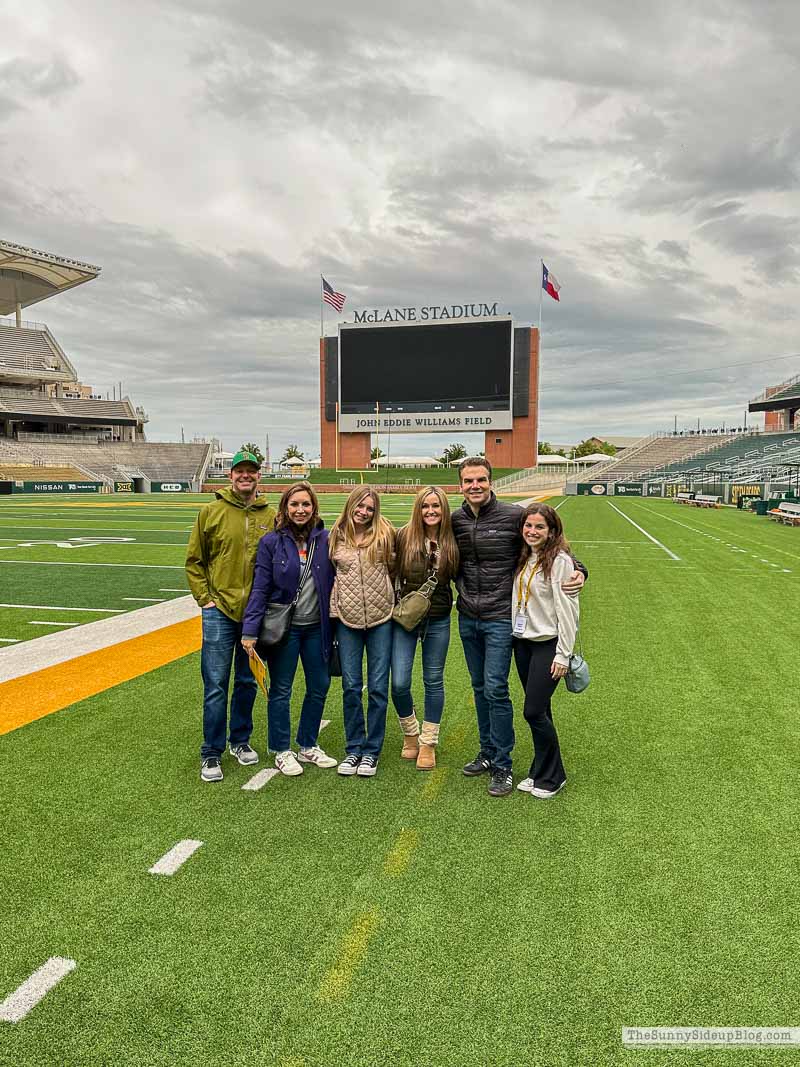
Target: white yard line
point(66, 645)
point(641, 530)
point(54, 623)
point(172, 591)
point(112, 529)
point(573, 541)
point(145, 599)
point(260, 779)
point(10, 640)
point(171, 861)
point(59, 563)
point(49, 607)
point(26, 996)
point(323, 724)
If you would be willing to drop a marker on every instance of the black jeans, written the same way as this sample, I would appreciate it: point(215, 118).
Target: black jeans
point(533, 660)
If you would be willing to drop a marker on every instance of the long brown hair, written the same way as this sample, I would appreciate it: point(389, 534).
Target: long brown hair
point(283, 521)
point(555, 543)
point(379, 541)
point(411, 537)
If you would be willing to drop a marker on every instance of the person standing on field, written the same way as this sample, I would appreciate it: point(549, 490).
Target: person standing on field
point(220, 560)
point(487, 532)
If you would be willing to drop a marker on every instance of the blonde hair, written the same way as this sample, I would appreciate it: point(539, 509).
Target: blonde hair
point(411, 537)
point(379, 540)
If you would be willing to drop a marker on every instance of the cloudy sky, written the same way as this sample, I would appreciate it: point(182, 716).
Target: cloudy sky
point(214, 158)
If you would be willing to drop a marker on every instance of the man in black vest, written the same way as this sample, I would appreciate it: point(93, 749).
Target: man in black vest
point(488, 534)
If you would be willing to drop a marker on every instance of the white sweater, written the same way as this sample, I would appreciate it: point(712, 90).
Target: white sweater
point(549, 612)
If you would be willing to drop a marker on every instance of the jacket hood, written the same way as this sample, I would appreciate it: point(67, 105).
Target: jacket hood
point(227, 494)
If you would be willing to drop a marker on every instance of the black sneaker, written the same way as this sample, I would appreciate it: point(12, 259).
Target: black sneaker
point(480, 765)
point(210, 770)
point(501, 783)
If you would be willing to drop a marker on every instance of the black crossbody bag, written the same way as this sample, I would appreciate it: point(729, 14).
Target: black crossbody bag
point(278, 617)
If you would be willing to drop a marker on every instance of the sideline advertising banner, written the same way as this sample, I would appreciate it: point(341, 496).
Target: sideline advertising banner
point(628, 489)
point(58, 487)
point(655, 489)
point(593, 489)
point(123, 487)
point(169, 487)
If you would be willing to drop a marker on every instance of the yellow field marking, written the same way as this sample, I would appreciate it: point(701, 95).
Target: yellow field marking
point(400, 854)
point(434, 783)
point(31, 697)
point(459, 735)
point(336, 983)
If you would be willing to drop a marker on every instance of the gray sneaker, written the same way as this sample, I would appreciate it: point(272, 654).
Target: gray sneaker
point(210, 770)
point(244, 754)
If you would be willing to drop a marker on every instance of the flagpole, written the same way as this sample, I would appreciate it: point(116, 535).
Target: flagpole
point(321, 310)
point(539, 358)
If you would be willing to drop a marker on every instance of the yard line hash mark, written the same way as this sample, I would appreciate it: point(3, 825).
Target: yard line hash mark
point(145, 599)
point(337, 981)
point(26, 996)
point(260, 779)
point(434, 783)
point(49, 607)
point(54, 622)
point(171, 861)
point(642, 530)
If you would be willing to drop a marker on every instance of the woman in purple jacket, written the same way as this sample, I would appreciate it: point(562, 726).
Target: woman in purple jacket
point(280, 562)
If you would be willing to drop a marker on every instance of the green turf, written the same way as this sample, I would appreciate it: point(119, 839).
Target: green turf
point(659, 888)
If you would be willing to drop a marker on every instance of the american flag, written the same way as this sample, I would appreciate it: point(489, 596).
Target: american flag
point(330, 296)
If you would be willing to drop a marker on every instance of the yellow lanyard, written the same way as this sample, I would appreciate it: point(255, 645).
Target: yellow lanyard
point(521, 606)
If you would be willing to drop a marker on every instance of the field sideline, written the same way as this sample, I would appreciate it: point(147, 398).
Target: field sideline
point(410, 919)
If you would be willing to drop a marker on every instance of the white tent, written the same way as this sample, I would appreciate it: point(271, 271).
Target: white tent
point(596, 457)
point(551, 461)
point(405, 461)
point(293, 461)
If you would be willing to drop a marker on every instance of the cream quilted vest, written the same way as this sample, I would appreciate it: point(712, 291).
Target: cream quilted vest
point(363, 594)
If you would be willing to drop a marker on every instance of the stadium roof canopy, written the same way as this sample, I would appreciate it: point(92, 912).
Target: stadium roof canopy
point(28, 275)
point(787, 396)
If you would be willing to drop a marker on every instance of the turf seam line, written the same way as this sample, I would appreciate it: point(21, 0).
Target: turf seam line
point(26, 996)
point(399, 855)
point(173, 860)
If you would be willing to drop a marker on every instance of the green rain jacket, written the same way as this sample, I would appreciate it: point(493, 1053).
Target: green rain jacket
point(221, 554)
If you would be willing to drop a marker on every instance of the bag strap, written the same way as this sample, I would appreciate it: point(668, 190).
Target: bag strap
point(306, 569)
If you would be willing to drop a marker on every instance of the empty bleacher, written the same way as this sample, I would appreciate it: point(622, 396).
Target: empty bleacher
point(33, 353)
point(745, 455)
point(21, 472)
point(653, 454)
point(110, 461)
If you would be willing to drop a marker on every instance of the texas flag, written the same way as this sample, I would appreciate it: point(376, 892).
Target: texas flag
point(550, 283)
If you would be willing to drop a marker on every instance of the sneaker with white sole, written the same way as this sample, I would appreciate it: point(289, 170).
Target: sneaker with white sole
point(210, 770)
point(287, 764)
point(368, 767)
point(349, 765)
point(545, 794)
point(244, 754)
point(526, 785)
point(316, 756)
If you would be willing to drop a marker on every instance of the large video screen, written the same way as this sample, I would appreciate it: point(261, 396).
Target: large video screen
point(453, 367)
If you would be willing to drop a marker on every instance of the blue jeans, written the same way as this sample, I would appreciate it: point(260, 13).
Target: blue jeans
point(221, 650)
point(301, 643)
point(377, 641)
point(487, 649)
point(434, 635)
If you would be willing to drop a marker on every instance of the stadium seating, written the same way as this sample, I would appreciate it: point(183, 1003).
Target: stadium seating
point(34, 353)
point(744, 455)
point(115, 461)
point(30, 473)
point(652, 454)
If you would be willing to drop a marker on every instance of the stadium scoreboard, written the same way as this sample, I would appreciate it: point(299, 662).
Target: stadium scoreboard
point(425, 377)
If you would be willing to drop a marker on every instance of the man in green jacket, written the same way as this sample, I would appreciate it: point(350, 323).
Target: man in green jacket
point(220, 560)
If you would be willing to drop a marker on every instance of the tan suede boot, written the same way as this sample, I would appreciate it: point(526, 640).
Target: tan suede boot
point(410, 728)
point(428, 740)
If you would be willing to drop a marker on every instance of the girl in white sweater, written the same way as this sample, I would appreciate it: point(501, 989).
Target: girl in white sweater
point(545, 621)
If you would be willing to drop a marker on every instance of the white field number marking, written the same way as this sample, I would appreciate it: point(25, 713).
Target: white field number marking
point(260, 779)
point(641, 530)
point(171, 861)
point(72, 542)
point(17, 1004)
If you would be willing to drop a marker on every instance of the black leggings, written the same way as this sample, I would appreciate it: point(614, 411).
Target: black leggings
point(533, 660)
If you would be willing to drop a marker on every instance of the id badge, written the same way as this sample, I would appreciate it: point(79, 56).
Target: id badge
point(519, 625)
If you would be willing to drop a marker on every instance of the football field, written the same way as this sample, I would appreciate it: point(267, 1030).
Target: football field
point(410, 919)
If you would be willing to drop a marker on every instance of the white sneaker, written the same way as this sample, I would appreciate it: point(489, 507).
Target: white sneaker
point(287, 764)
point(316, 756)
point(545, 794)
point(526, 785)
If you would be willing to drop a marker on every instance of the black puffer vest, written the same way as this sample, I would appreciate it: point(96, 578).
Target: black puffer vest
point(490, 544)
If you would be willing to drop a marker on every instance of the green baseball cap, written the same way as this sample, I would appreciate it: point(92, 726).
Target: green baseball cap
point(245, 457)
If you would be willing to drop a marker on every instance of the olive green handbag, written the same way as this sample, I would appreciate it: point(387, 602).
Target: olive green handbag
point(411, 609)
